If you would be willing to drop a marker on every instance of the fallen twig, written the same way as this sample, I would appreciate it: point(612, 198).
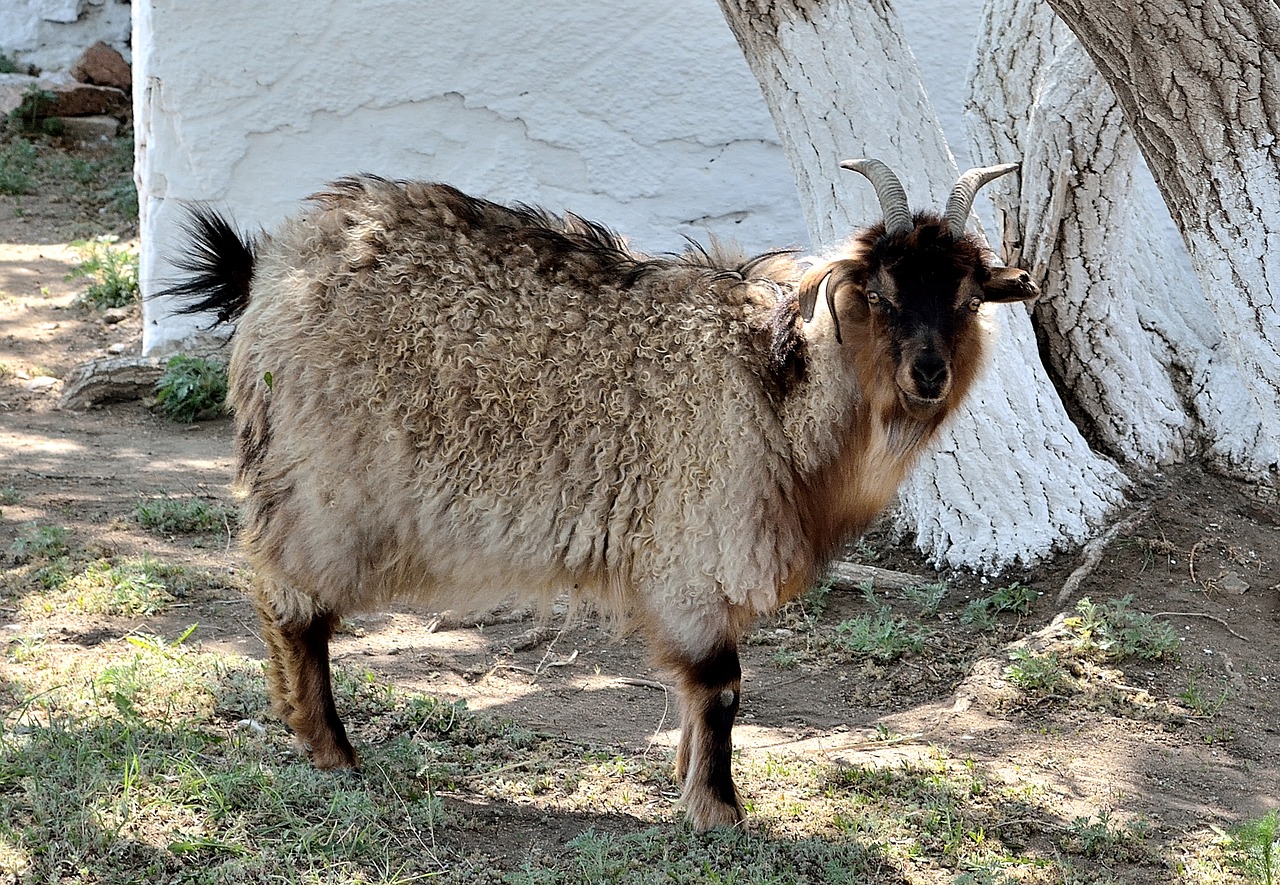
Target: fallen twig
point(640, 683)
point(1200, 615)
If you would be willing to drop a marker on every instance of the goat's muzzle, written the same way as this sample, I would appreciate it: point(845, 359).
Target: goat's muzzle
point(923, 384)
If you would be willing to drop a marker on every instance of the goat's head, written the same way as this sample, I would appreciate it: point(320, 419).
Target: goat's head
point(911, 289)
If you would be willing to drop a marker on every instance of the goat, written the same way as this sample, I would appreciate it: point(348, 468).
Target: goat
point(446, 400)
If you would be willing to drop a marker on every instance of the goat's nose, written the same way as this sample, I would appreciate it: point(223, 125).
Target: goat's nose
point(930, 374)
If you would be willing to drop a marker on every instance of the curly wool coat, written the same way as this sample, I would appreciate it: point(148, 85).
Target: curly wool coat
point(455, 401)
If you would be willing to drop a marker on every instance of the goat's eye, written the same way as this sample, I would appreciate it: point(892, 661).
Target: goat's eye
point(975, 303)
point(873, 298)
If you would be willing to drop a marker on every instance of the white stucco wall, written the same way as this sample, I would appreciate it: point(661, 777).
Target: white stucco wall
point(638, 113)
point(51, 34)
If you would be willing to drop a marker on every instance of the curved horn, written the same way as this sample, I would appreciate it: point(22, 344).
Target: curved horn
point(961, 199)
point(893, 198)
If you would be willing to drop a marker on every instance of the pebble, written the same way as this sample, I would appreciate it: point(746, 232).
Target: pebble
point(117, 348)
point(113, 315)
point(40, 382)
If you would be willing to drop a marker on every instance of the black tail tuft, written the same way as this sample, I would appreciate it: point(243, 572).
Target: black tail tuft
point(220, 263)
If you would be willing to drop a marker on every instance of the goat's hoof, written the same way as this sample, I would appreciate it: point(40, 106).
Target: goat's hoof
point(706, 813)
point(332, 757)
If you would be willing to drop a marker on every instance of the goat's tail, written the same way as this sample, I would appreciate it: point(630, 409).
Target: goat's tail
point(219, 264)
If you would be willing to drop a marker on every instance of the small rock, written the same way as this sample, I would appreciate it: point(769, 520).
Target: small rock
point(48, 327)
point(103, 66)
point(65, 97)
point(117, 348)
point(113, 315)
point(95, 128)
point(40, 382)
point(1230, 582)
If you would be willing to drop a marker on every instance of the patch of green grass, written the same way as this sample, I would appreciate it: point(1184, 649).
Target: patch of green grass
point(879, 636)
point(98, 182)
point(128, 588)
point(1254, 848)
point(1102, 838)
point(40, 542)
point(18, 167)
point(184, 516)
point(7, 65)
point(192, 388)
point(982, 612)
point(1111, 631)
point(113, 273)
point(1037, 673)
point(1200, 701)
point(9, 495)
point(926, 597)
point(29, 113)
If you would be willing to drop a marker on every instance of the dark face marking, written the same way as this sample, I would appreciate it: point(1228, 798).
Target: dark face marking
point(926, 282)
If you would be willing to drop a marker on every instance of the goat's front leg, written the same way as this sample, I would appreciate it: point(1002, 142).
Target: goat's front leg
point(710, 691)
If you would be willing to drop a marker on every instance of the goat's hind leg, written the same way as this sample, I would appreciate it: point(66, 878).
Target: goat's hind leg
point(299, 682)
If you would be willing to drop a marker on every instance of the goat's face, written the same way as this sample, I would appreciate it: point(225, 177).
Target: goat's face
point(911, 302)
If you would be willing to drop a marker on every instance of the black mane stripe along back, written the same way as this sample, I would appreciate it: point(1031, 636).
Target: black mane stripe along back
point(219, 261)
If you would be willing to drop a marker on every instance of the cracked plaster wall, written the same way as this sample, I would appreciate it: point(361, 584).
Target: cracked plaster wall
point(641, 114)
point(51, 34)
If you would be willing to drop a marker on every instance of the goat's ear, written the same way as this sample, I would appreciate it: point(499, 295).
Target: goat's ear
point(1008, 284)
point(828, 279)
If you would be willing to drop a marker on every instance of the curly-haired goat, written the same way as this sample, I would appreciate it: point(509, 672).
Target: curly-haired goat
point(444, 399)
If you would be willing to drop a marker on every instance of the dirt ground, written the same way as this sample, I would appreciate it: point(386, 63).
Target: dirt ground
point(1203, 551)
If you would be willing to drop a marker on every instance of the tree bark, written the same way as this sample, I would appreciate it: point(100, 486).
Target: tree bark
point(1121, 303)
point(1197, 83)
point(1013, 478)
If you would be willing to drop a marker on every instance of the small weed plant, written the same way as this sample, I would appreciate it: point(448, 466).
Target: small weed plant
point(1200, 701)
point(879, 636)
point(183, 516)
point(1035, 673)
point(926, 597)
point(192, 388)
point(30, 112)
point(1254, 848)
point(981, 613)
point(1112, 631)
point(18, 167)
point(40, 542)
point(113, 273)
point(133, 587)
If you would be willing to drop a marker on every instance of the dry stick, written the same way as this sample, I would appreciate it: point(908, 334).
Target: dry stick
point(1200, 615)
point(1093, 555)
point(451, 621)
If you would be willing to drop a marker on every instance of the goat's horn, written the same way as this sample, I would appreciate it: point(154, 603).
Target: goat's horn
point(893, 198)
point(961, 199)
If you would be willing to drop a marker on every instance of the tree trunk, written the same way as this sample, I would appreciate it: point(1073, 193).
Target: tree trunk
point(1197, 83)
point(840, 82)
point(1123, 320)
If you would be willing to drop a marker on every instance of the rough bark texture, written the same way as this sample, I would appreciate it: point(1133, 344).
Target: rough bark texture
point(840, 82)
point(1197, 82)
point(1121, 301)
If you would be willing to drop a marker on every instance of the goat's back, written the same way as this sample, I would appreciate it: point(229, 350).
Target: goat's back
point(435, 393)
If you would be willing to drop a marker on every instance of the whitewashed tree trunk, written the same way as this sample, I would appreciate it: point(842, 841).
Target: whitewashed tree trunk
point(1196, 81)
point(1012, 478)
point(1123, 319)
